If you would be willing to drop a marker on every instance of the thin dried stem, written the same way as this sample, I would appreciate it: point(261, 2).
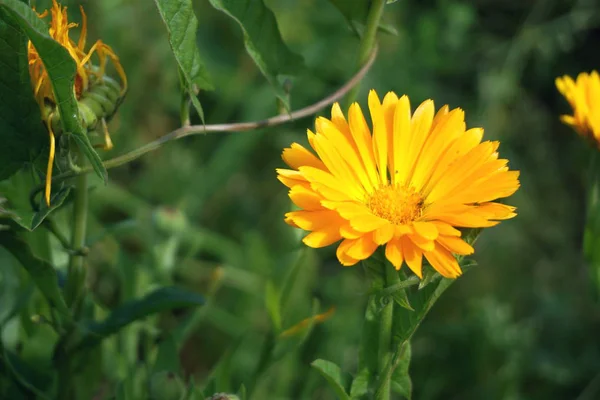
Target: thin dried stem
point(190, 130)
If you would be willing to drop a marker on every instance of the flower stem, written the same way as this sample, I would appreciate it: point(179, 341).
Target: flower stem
point(74, 286)
point(76, 271)
point(385, 336)
point(385, 339)
point(367, 42)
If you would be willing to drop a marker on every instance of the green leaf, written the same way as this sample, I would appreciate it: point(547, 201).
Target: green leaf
point(17, 206)
point(263, 41)
point(401, 382)
point(21, 131)
point(291, 277)
point(27, 375)
point(393, 279)
point(353, 10)
point(61, 69)
point(42, 273)
point(167, 358)
point(401, 298)
point(272, 302)
point(332, 373)
point(160, 300)
point(429, 275)
point(406, 322)
point(356, 13)
point(181, 24)
point(13, 296)
point(360, 384)
point(57, 199)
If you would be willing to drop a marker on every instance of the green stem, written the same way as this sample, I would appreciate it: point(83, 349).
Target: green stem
point(385, 337)
point(74, 287)
point(385, 341)
point(367, 42)
point(76, 271)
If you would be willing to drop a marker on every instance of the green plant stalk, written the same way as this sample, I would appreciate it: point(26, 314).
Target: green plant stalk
point(591, 236)
point(385, 335)
point(76, 271)
point(184, 107)
point(75, 285)
point(367, 42)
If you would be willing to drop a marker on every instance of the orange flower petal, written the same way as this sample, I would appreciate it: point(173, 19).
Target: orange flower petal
point(413, 256)
point(443, 262)
point(393, 252)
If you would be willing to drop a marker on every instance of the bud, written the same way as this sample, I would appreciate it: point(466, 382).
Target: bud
point(170, 221)
point(98, 95)
point(166, 385)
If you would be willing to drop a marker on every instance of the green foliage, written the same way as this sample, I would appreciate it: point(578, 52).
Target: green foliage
point(21, 132)
point(263, 41)
point(357, 12)
point(42, 273)
point(163, 299)
point(205, 214)
point(17, 189)
point(591, 237)
point(334, 377)
point(401, 382)
point(182, 25)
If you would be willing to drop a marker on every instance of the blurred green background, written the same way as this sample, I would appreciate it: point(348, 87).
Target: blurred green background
point(207, 211)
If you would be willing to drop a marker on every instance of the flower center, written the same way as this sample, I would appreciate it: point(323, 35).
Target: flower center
point(397, 204)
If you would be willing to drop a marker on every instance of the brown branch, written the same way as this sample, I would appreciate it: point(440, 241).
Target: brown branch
point(234, 127)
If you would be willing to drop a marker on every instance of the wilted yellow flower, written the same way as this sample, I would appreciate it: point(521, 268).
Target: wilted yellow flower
point(584, 97)
point(87, 72)
point(406, 186)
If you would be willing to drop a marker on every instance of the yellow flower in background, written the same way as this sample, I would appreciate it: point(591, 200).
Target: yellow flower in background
point(407, 185)
point(87, 73)
point(584, 97)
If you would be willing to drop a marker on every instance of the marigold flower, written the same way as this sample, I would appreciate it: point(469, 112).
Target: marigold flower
point(87, 75)
point(584, 97)
point(406, 186)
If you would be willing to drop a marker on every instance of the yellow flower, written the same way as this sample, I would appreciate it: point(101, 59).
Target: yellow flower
point(406, 186)
point(584, 97)
point(87, 72)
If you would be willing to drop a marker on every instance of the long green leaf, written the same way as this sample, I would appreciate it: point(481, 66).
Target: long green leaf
point(332, 373)
point(160, 300)
point(61, 69)
point(21, 132)
point(181, 23)
point(263, 41)
point(401, 382)
point(42, 273)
